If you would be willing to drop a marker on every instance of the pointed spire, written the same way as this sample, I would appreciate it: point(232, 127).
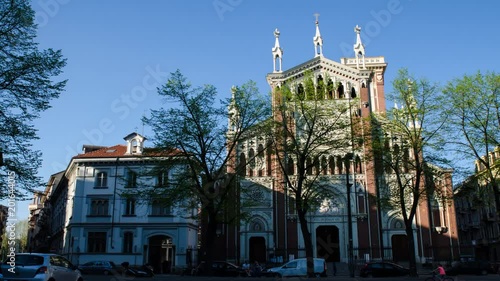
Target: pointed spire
point(317, 39)
point(277, 52)
point(359, 48)
point(234, 114)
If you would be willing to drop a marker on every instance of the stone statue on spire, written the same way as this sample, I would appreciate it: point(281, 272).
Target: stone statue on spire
point(277, 52)
point(359, 48)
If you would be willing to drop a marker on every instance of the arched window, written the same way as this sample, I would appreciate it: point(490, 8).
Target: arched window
point(260, 161)
point(330, 90)
point(242, 165)
point(99, 207)
point(340, 90)
point(269, 159)
point(320, 88)
point(406, 160)
point(331, 165)
point(300, 92)
point(251, 158)
point(339, 165)
point(388, 160)
point(316, 166)
point(135, 146)
point(353, 93)
point(357, 167)
point(290, 167)
point(324, 166)
point(309, 166)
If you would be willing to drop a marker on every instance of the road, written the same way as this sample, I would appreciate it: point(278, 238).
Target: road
point(330, 278)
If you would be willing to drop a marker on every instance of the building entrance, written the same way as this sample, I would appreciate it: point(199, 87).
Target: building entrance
point(400, 248)
point(161, 254)
point(257, 251)
point(327, 243)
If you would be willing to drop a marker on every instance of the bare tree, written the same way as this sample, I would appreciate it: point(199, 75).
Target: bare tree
point(196, 126)
point(408, 140)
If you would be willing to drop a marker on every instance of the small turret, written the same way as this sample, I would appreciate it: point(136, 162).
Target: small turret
point(359, 48)
point(135, 143)
point(277, 52)
point(317, 39)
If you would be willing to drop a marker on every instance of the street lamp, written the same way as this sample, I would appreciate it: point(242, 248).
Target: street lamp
point(349, 157)
point(350, 246)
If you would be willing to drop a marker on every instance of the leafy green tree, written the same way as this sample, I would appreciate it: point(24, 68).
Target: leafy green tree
point(308, 130)
point(408, 141)
point(473, 127)
point(25, 90)
point(196, 125)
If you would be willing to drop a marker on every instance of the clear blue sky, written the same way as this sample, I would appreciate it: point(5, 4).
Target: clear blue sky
point(119, 51)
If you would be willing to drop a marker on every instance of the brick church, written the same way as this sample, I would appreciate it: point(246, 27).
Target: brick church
point(272, 233)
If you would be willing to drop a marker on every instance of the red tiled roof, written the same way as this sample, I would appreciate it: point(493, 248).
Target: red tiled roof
point(121, 150)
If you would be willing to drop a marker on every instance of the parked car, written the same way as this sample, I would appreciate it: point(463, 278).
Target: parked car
point(383, 269)
point(141, 271)
point(224, 268)
point(99, 267)
point(297, 267)
point(470, 267)
point(39, 267)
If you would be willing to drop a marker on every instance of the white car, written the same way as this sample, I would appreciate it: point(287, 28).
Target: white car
point(38, 267)
point(298, 267)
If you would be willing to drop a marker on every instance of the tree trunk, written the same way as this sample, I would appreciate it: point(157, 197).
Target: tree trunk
point(208, 238)
point(411, 250)
point(307, 241)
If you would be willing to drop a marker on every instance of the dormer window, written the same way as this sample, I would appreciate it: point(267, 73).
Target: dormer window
point(134, 145)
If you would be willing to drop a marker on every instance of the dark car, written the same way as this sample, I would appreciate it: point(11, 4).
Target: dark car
point(224, 268)
point(383, 269)
point(470, 267)
point(99, 267)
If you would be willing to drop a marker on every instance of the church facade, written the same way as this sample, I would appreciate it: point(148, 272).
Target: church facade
point(272, 233)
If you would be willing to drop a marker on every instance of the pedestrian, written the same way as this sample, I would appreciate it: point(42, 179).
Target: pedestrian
point(257, 269)
point(334, 269)
point(246, 268)
point(440, 271)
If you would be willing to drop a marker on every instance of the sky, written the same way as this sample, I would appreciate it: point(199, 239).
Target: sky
point(119, 51)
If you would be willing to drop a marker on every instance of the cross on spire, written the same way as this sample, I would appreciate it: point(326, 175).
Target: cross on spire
point(317, 17)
